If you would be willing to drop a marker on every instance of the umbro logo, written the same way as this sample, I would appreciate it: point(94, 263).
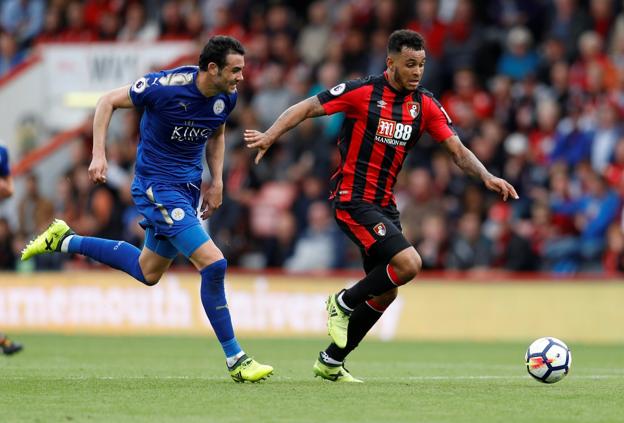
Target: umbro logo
point(381, 104)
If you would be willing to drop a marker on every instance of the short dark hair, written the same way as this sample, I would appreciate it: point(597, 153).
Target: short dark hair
point(216, 50)
point(405, 38)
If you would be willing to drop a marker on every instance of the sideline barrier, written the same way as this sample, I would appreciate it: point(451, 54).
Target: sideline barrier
point(102, 302)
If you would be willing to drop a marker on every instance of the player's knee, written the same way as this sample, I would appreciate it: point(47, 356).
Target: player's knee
point(151, 278)
point(407, 264)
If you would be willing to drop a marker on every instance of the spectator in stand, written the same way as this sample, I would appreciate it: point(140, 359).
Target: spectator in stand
point(416, 200)
point(466, 93)
point(280, 247)
point(519, 59)
point(23, 19)
point(52, 25)
point(172, 26)
point(10, 54)
point(568, 22)
point(469, 249)
point(317, 248)
point(572, 140)
point(315, 35)
point(223, 23)
point(433, 246)
point(606, 134)
point(591, 48)
point(542, 137)
point(95, 10)
point(34, 210)
point(463, 40)
point(551, 51)
point(593, 212)
point(272, 97)
point(602, 16)
point(614, 173)
point(76, 29)
point(136, 27)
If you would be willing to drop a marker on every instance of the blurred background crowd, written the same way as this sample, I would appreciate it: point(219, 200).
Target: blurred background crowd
point(535, 89)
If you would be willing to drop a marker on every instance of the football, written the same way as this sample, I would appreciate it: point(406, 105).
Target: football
point(548, 359)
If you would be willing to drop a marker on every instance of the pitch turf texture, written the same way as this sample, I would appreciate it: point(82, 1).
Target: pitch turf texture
point(180, 379)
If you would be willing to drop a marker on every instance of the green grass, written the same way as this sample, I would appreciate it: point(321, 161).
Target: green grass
point(178, 379)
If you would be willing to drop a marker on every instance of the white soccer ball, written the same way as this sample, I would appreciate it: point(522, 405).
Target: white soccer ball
point(548, 359)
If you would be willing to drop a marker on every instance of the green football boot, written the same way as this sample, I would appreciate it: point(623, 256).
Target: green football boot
point(49, 241)
point(337, 321)
point(247, 369)
point(333, 372)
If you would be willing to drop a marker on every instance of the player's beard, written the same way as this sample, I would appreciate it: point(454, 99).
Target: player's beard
point(403, 83)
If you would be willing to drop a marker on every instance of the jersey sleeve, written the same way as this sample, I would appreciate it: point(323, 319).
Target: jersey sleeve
point(341, 98)
point(437, 122)
point(4, 162)
point(143, 91)
point(232, 98)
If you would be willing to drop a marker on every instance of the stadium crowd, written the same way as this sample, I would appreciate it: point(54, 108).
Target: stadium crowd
point(535, 90)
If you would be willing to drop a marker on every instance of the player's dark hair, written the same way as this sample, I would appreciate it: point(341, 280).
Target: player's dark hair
point(216, 50)
point(405, 38)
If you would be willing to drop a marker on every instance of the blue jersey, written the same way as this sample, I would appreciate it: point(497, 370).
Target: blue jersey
point(4, 162)
point(177, 121)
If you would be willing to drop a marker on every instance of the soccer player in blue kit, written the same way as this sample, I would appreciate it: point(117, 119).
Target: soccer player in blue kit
point(185, 110)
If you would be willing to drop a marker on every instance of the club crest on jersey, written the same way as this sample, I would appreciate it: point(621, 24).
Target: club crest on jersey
point(177, 214)
point(218, 106)
point(380, 229)
point(338, 89)
point(413, 108)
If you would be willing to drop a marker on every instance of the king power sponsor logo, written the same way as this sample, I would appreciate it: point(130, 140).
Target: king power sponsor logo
point(173, 304)
point(190, 134)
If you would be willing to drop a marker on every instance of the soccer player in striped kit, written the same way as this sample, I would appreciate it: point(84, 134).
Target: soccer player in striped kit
point(385, 115)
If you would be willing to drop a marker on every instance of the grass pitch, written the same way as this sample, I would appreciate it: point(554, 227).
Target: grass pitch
point(179, 379)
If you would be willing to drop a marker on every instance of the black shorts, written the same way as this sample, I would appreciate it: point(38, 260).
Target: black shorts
point(375, 230)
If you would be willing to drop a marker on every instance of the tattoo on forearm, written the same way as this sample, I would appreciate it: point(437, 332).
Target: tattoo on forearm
point(469, 163)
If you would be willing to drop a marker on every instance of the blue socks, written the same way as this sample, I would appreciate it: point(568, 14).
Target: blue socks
point(125, 257)
point(215, 305)
point(117, 254)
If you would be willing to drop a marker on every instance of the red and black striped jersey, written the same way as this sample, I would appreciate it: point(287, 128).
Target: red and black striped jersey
point(381, 125)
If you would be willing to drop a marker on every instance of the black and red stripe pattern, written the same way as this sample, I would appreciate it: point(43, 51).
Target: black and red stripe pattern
point(381, 126)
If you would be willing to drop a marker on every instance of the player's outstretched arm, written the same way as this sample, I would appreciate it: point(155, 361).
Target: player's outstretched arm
point(291, 117)
point(106, 105)
point(469, 163)
point(215, 151)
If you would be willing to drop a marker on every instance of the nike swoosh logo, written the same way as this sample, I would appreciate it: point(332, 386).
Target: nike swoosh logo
point(221, 307)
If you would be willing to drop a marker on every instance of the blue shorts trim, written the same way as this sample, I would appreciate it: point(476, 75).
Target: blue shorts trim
point(189, 240)
point(161, 246)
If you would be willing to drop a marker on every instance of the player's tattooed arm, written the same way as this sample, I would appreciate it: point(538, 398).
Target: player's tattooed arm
point(215, 151)
point(291, 117)
point(470, 164)
point(106, 105)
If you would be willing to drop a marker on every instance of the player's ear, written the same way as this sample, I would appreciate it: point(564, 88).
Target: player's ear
point(213, 68)
point(389, 62)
